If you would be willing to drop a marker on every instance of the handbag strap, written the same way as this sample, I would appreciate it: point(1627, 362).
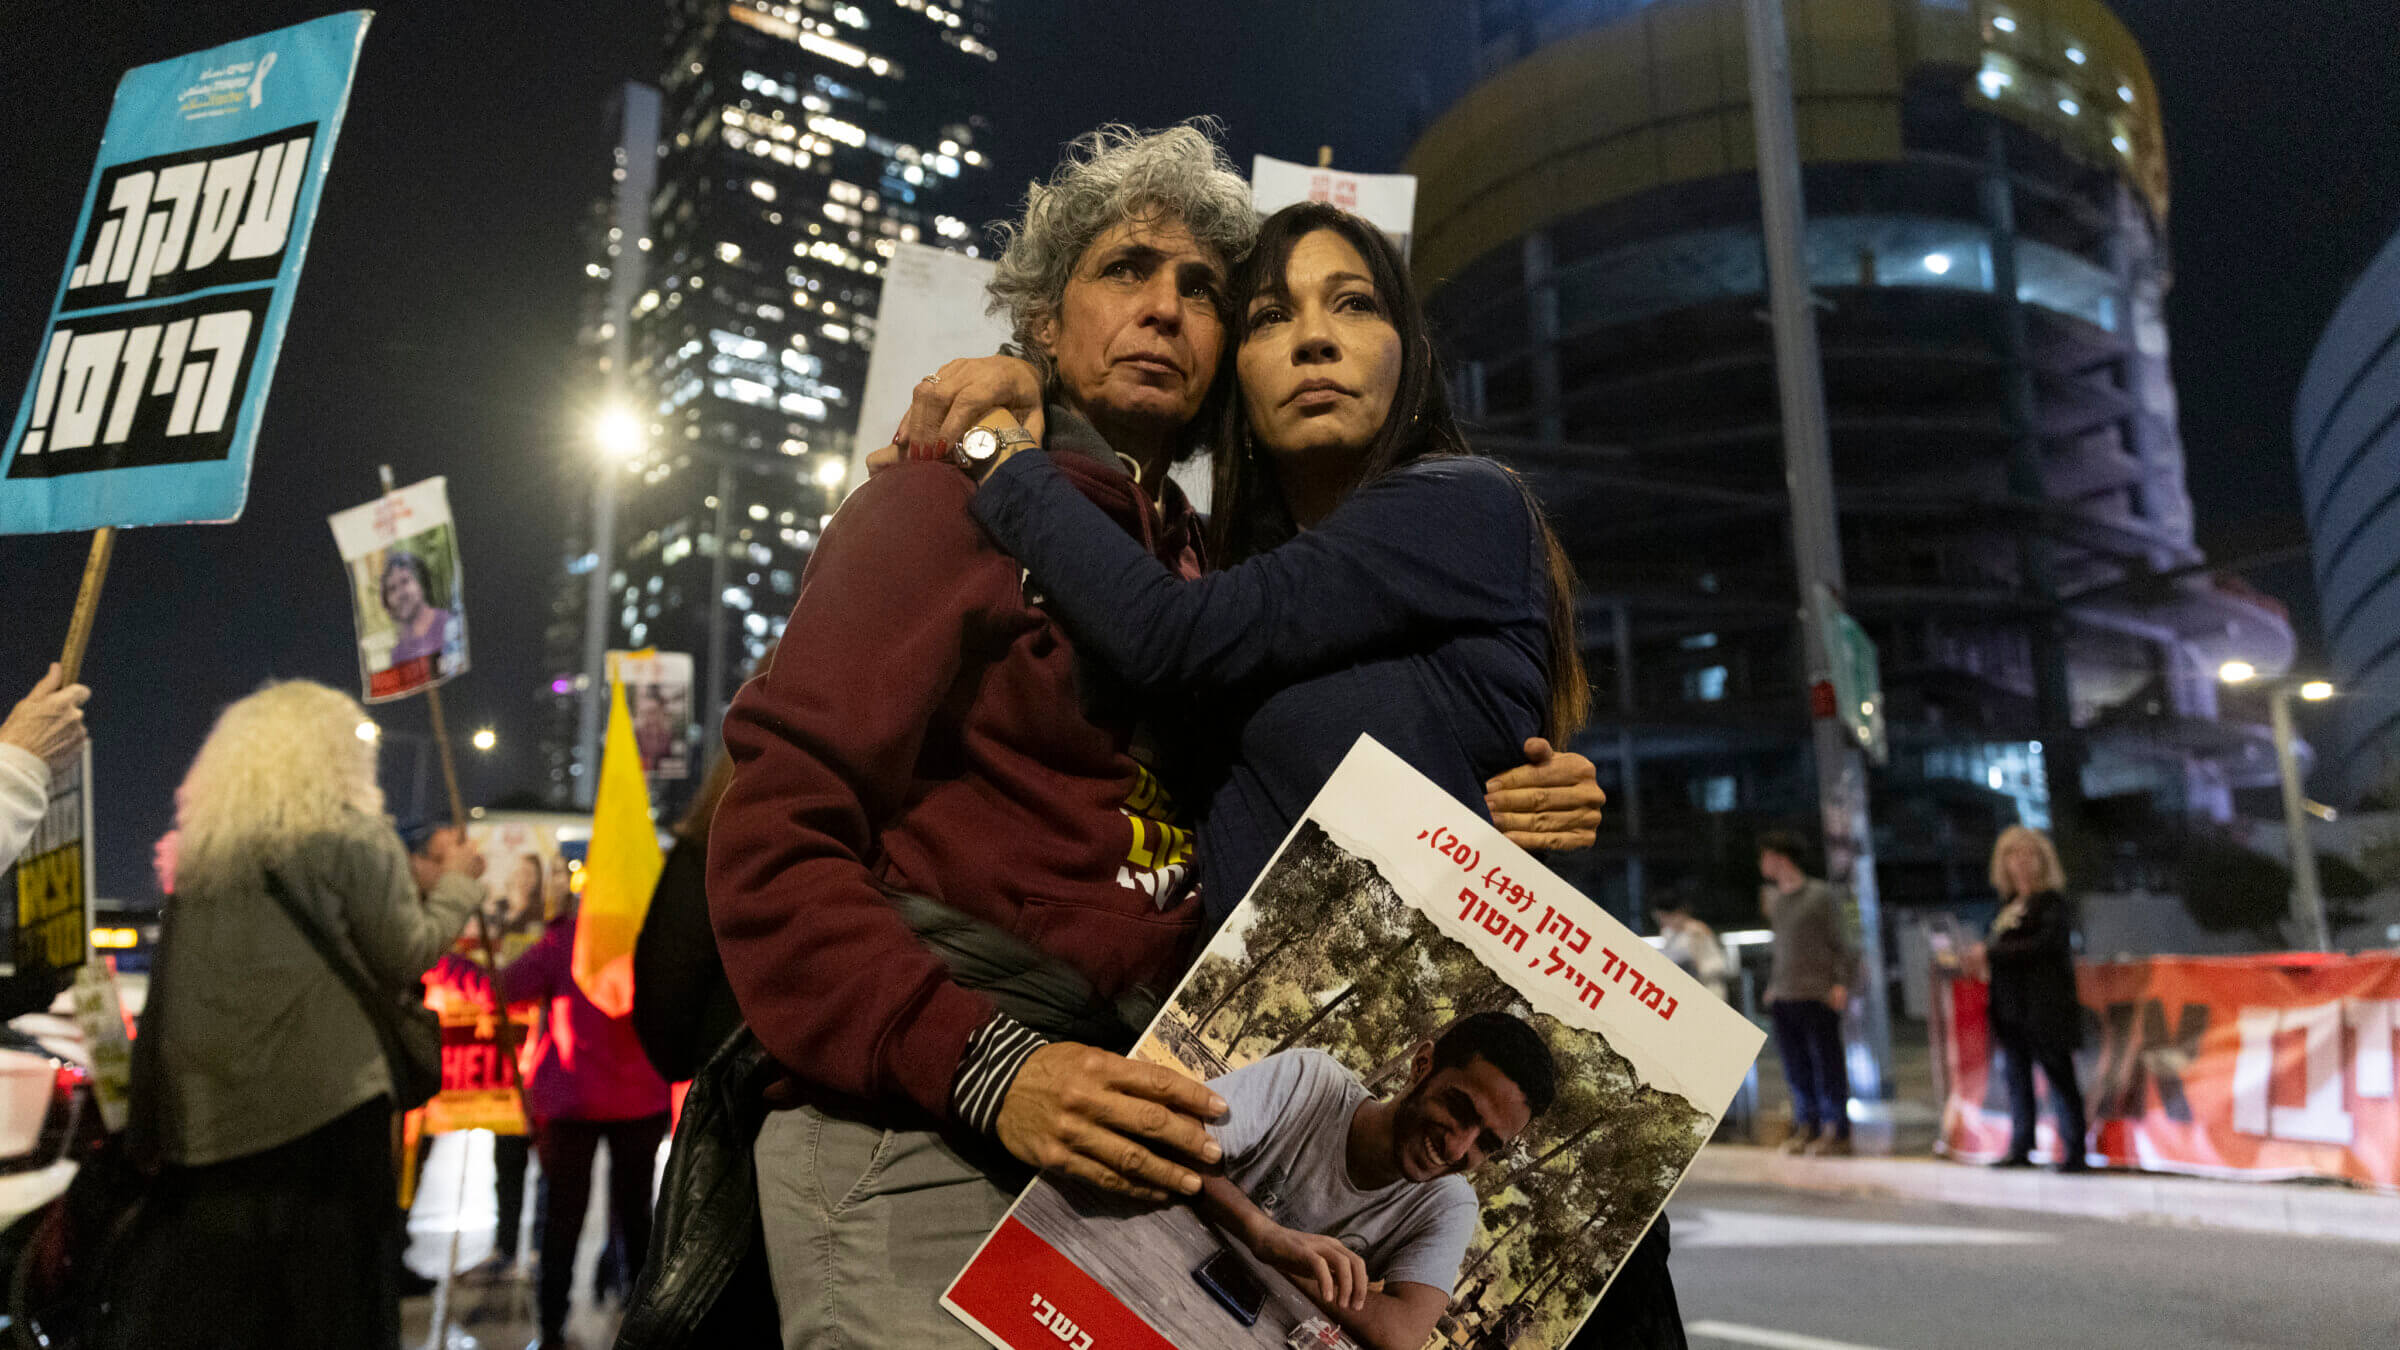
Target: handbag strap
point(375, 1003)
point(146, 1126)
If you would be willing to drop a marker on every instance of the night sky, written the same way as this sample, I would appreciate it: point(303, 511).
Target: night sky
point(437, 306)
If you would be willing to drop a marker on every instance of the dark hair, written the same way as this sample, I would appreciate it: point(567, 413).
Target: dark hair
point(417, 835)
point(401, 557)
point(1788, 843)
point(702, 813)
point(1247, 512)
point(1510, 1046)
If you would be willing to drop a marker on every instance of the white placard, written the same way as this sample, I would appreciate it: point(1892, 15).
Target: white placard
point(1539, 1078)
point(1388, 201)
point(932, 312)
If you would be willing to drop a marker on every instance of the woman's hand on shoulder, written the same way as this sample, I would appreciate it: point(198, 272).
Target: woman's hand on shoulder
point(1551, 803)
point(958, 396)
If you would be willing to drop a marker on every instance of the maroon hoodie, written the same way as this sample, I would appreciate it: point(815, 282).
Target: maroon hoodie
point(927, 728)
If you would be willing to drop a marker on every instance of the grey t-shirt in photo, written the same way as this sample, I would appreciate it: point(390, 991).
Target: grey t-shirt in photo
point(1286, 1136)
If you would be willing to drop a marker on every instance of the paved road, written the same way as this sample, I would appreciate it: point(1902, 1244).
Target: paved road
point(1785, 1271)
point(493, 1316)
point(1766, 1269)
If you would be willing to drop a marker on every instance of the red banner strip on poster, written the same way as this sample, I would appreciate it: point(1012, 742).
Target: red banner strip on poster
point(2267, 1067)
point(1020, 1290)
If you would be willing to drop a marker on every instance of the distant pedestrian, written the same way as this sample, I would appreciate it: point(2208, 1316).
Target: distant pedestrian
point(683, 1006)
point(1807, 989)
point(2035, 1015)
point(1691, 944)
point(512, 924)
point(43, 729)
point(260, 1083)
point(590, 1083)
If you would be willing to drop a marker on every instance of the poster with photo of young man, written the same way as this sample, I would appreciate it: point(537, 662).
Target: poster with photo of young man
point(1457, 1094)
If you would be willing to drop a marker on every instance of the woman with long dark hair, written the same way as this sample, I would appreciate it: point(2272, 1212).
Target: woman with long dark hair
point(1377, 576)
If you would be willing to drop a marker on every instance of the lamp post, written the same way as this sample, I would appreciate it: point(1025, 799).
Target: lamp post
point(1816, 526)
point(2308, 896)
point(620, 438)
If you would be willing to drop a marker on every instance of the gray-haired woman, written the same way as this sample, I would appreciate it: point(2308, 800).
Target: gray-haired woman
point(260, 1084)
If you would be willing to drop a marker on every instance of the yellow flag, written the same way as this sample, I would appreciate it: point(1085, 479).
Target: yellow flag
point(621, 870)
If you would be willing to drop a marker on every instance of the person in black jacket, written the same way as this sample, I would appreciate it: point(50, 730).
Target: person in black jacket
point(683, 1006)
point(2035, 1016)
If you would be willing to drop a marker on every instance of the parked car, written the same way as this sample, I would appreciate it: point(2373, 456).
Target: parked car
point(48, 1113)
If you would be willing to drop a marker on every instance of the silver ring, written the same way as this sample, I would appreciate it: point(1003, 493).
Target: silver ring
point(931, 379)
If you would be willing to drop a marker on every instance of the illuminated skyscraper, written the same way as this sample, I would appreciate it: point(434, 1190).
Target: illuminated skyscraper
point(797, 144)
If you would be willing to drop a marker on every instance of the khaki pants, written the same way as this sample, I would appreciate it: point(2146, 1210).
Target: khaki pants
point(865, 1227)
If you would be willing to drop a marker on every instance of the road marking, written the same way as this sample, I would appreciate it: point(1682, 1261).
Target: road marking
point(1768, 1337)
point(1749, 1228)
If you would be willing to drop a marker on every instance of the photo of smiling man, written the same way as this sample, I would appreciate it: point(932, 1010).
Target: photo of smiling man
point(1437, 1129)
point(1365, 1203)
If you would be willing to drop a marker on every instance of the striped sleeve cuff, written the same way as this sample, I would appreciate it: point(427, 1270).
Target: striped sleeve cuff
point(989, 1068)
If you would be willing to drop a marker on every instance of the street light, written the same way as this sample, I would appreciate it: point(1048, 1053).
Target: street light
point(621, 437)
point(369, 732)
point(485, 740)
point(619, 433)
point(2308, 897)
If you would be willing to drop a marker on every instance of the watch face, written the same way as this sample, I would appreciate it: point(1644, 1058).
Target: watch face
point(980, 443)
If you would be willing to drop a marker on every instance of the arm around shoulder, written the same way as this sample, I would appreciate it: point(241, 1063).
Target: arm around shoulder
point(1436, 544)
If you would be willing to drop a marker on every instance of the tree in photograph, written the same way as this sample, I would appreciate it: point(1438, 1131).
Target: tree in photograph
point(1308, 891)
point(1337, 961)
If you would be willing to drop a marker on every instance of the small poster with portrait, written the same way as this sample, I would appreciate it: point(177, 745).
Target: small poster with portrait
point(407, 589)
point(658, 693)
point(1457, 1094)
point(528, 882)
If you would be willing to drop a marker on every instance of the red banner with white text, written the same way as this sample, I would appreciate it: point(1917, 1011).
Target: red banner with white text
point(2255, 1066)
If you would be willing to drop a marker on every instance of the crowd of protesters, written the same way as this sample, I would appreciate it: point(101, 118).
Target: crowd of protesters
point(893, 947)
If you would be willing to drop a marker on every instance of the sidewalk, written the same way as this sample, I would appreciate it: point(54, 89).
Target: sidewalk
point(2299, 1209)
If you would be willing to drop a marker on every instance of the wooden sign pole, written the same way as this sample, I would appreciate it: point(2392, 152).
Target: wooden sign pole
point(87, 603)
point(441, 746)
point(504, 1030)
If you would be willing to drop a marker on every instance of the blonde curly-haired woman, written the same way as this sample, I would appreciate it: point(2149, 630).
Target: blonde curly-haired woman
point(2035, 1017)
point(260, 1084)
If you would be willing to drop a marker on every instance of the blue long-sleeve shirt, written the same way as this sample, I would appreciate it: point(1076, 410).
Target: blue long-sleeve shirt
point(1416, 613)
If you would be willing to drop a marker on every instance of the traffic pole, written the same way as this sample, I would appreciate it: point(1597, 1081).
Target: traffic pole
point(1816, 532)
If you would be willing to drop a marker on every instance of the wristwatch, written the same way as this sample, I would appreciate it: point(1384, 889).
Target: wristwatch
point(990, 441)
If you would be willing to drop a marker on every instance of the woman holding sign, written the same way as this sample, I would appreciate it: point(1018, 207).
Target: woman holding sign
point(43, 729)
point(1379, 579)
point(260, 1082)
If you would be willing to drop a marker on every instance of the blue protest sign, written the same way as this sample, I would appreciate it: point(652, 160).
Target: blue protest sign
point(148, 385)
